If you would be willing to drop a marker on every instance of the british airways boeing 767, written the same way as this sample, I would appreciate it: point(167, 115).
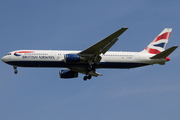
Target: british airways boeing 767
point(94, 57)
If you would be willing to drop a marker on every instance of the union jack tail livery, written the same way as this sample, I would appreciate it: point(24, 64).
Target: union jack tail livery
point(159, 43)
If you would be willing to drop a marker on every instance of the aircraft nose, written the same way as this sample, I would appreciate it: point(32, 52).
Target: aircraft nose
point(3, 59)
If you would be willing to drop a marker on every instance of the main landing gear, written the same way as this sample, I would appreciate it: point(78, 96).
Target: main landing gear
point(15, 70)
point(89, 69)
point(87, 77)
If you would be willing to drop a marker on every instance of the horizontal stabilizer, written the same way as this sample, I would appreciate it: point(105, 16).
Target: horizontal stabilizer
point(164, 53)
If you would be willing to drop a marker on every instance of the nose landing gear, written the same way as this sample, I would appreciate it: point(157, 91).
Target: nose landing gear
point(15, 70)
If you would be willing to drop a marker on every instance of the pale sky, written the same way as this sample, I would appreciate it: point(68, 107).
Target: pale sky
point(145, 93)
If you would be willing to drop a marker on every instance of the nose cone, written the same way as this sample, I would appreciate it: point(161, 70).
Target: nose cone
point(3, 59)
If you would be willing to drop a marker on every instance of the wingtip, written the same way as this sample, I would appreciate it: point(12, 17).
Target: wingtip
point(125, 27)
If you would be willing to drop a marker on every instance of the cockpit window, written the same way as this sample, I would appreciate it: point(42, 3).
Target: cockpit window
point(9, 54)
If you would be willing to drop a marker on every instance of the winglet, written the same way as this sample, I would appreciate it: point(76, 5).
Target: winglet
point(165, 53)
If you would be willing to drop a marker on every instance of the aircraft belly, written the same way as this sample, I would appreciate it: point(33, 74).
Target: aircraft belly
point(80, 65)
point(37, 63)
point(120, 65)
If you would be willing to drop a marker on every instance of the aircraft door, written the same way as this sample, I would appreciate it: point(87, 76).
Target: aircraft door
point(59, 56)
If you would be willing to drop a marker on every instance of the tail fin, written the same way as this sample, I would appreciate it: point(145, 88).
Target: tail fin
point(159, 43)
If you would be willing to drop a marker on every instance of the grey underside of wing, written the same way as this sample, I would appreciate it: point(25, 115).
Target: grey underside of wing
point(104, 45)
point(92, 73)
point(83, 71)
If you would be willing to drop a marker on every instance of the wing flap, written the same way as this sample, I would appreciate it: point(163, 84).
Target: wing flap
point(83, 71)
point(107, 47)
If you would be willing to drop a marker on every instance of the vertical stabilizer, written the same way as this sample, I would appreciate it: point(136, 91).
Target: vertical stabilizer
point(159, 43)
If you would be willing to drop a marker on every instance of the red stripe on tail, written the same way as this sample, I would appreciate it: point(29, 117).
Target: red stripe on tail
point(163, 36)
point(152, 51)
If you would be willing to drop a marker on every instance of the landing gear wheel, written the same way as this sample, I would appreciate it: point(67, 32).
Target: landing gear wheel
point(89, 77)
point(14, 67)
point(15, 71)
point(85, 78)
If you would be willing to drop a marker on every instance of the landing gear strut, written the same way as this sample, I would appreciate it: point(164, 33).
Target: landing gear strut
point(15, 70)
point(87, 77)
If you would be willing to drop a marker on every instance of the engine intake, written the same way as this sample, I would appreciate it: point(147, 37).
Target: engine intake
point(68, 74)
point(72, 58)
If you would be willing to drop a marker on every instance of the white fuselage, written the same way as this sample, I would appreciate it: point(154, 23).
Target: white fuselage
point(53, 58)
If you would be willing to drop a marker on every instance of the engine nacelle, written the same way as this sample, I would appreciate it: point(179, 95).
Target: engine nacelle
point(72, 58)
point(68, 74)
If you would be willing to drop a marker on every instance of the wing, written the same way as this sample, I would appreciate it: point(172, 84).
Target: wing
point(104, 45)
point(84, 71)
point(92, 56)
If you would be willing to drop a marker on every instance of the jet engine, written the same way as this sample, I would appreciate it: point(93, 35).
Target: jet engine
point(72, 58)
point(68, 74)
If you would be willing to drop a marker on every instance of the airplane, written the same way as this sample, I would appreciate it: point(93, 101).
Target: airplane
point(95, 57)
